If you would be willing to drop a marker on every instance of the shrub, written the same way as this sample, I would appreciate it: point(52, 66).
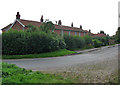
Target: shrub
point(47, 26)
point(88, 40)
point(21, 42)
point(117, 36)
point(70, 43)
point(13, 42)
point(73, 42)
point(104, 40)
point(97, 43)
point(80, 42)
point(32, 28)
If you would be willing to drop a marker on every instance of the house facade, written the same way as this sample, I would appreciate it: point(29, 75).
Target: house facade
point(21, 24)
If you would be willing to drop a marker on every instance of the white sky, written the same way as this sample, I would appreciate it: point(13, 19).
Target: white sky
point(91, 14)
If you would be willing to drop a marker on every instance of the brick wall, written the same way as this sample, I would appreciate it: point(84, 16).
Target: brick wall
point(17, 26)
point(57, 31)
point(81, 34)
point(72, 33)
point(66, 32)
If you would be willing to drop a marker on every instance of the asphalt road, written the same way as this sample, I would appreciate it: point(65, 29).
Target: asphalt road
point(44, 64)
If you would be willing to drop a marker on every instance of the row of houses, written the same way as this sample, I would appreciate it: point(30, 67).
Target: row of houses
point(59, 28)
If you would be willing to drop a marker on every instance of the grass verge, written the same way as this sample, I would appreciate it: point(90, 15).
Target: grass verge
point(13, 74)
point(61, 52)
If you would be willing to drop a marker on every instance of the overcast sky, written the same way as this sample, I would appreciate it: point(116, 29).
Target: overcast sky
point(91, 14)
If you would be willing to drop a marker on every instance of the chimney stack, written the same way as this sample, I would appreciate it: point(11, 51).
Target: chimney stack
point(80, 26)
point(72, 24)
point(41, 18)
point(89, 31)
point(56, 22)
point(59, 22)
point(18, 15)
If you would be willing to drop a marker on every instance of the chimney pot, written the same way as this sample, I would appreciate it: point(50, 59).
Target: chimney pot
point(72, 24)
point(59, 22)
point(89, 31)
point(18, 15)
point(41, 18)
point(81, 26)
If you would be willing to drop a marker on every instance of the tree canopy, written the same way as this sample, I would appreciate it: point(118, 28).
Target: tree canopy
point(118, 35)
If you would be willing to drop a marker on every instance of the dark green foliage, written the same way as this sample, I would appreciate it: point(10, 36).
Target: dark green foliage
point(73, 42)
point(70, 43)
point(13, 42)
point(97, 43)
point(118, 35)
point(104, 40)
point(37, 40)
point(47, 26)
point(88, 40)
point(79, 41)
point(32, 28)
point(21, 42)
point(62, 44)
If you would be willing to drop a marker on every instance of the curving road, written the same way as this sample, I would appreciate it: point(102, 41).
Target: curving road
point(44, 64)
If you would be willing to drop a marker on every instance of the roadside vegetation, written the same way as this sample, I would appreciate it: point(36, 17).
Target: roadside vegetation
point(61, 52)
point(13, 74)
point(117, 36)
point(37, 42)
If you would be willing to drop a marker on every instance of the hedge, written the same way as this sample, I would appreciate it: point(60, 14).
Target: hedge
point(17, 42)
point(104, 40)
point(97, 43)
point(73, 42)
point(21, 42)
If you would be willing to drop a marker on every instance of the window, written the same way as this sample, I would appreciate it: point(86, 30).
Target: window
point(84, 33)
point(79, 33)
point(69, 32)
point(75, 33)
point(62, 32)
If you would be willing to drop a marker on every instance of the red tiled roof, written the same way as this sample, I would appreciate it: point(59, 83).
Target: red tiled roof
point(6, 27)
point(27, 22)
point(68, 28)
point(86, 31)
point(36, 23)
point(99, 35)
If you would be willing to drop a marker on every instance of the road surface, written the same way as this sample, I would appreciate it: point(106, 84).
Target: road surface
point(45, 64)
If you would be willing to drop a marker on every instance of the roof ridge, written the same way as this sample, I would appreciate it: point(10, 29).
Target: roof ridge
point(54, 24)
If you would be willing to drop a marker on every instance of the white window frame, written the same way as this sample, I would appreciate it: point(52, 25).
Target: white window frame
point(79, 33)
point(69, 32)
point(75, 33)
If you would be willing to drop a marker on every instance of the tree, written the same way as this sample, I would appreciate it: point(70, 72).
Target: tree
point(118, 35)
point(47, 26)
point(88, 40)
point(32, 28)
